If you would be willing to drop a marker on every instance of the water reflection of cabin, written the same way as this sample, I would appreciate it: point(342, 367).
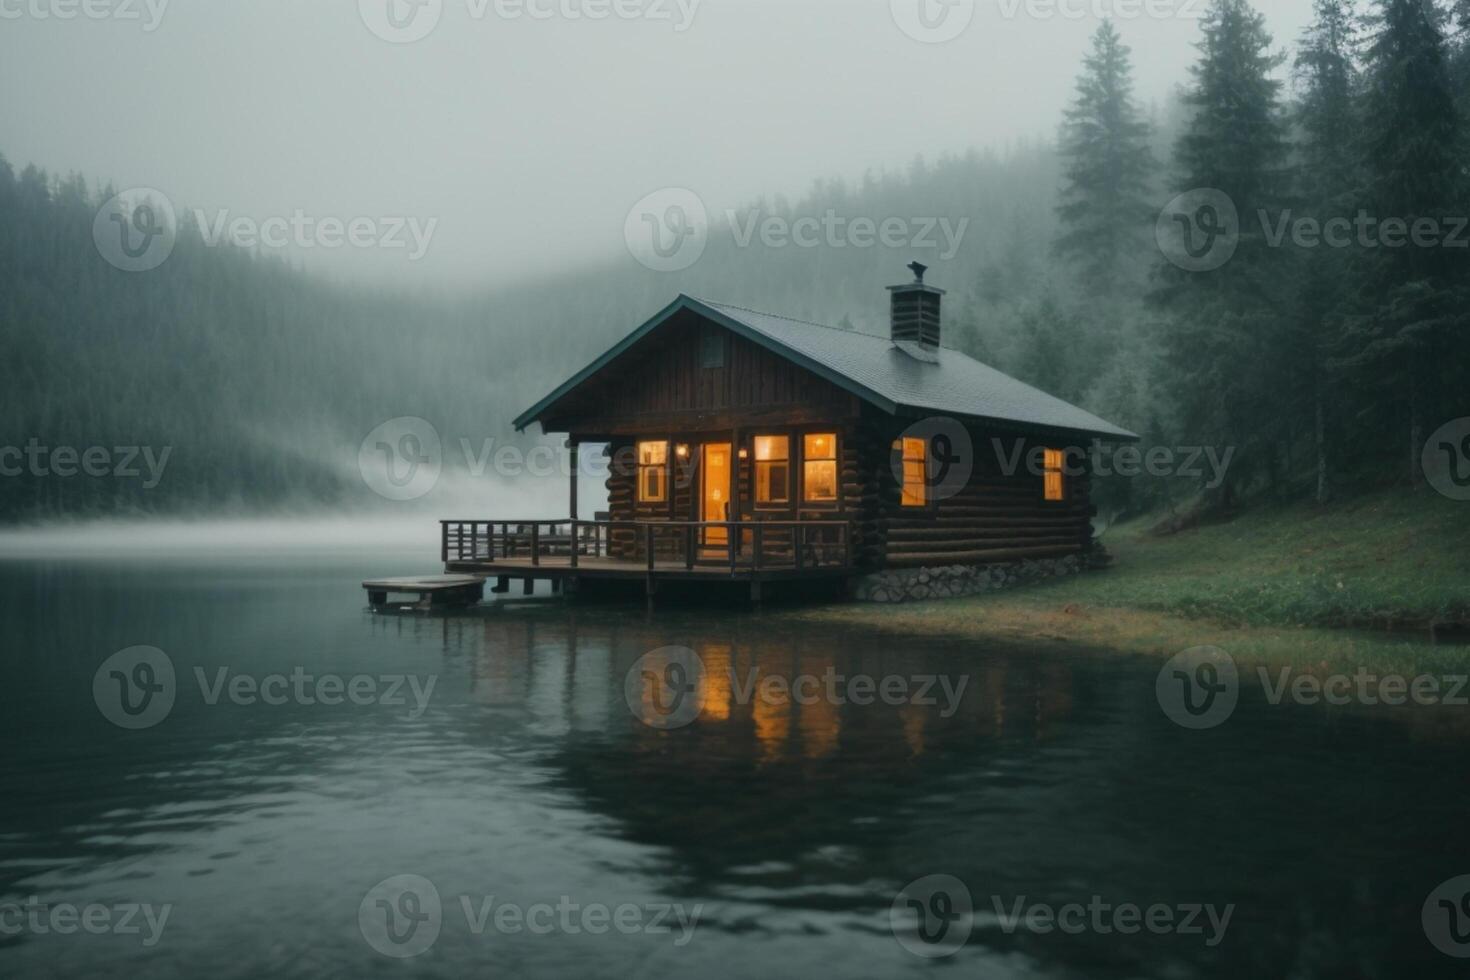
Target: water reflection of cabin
point(754, 447)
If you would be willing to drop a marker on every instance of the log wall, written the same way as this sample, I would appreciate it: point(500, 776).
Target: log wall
point(995, 517)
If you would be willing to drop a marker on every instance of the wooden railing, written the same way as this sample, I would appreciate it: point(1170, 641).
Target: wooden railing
point(740, 545)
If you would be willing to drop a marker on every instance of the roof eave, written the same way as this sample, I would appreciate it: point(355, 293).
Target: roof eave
point(795, 356)
point(1116, 435)
point(533, 414)
point(685, 302)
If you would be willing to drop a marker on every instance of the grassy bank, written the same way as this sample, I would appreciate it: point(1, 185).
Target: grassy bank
point(1355, 583)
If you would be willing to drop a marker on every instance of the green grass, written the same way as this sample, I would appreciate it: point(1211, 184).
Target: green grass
point(1357, 583)
point(1387, 561)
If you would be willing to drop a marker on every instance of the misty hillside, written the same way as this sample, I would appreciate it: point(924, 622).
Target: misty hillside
point(1322, 366)
point(263, 378)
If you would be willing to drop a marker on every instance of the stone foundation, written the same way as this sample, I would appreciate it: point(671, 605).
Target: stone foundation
point(952, 581)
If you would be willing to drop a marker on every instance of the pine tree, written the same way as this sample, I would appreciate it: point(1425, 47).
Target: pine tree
point(1326, 111)
point(1329, 179)
point(1406, 347)
point(1235, 140)
point(1050, 357)
point(1223, 360)
point(1105, 145)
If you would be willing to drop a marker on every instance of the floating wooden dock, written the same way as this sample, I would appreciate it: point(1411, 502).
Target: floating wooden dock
point(428, 590)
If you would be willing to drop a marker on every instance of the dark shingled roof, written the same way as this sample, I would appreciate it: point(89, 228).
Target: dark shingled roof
point(943, 381)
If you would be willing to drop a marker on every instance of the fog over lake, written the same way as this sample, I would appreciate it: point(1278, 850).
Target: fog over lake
point(527, 132)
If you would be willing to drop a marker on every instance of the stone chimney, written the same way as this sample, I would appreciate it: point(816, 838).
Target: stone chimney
point(915, 312)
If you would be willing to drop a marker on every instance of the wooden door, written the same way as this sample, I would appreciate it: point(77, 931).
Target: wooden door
point(715, 470)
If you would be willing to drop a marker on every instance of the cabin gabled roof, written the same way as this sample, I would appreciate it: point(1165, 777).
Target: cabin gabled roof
point(876, 370)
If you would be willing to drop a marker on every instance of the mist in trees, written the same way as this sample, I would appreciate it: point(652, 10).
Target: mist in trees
point(1324, 367)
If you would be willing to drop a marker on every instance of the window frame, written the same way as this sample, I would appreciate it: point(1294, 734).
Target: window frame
point(901, 445)
point(755, 471)
point(640, 467)
point(835, 501)
point(1054, 471)
point(712, 348)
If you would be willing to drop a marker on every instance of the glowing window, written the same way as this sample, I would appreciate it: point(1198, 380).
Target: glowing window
point(772, 469)
point(915, 472)
point(819, 467)
point(1052, 467)
point(653, 472)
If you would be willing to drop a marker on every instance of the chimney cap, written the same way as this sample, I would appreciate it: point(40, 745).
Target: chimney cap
point(918, 285)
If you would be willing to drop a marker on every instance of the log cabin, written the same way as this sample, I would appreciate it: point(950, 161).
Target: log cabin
point(759, 448)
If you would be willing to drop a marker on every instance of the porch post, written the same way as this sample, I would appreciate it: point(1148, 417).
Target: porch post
point(572, 458)
point(735, 491)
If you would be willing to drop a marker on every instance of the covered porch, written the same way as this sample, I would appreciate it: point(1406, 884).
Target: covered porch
point(565, 552)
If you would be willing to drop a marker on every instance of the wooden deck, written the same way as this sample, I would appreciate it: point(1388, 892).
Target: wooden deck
point(565, 553)
point(427, 590)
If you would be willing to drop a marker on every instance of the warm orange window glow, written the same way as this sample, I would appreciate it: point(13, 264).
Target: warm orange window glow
point(772, 469)
point(1052, 467)
point(653, 472)
point(819, 467)
point(915, 472)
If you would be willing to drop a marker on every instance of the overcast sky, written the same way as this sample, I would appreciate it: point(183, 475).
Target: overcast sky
point(529, 132)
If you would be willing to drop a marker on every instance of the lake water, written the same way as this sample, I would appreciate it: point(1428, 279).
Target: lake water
point(549, 826)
